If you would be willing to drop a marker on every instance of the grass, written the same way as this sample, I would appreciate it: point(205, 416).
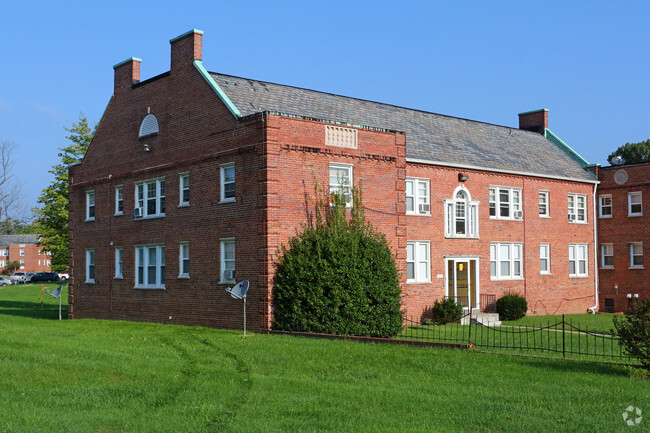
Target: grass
point(107, 376)
point(601, 322)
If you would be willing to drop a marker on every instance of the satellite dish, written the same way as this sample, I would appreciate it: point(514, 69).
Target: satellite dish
point(618, 160)
point(239, 291)
point(55, 294)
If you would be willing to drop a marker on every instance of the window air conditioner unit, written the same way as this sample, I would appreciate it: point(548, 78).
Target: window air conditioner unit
point(347, 198)
point(572, 217)
point(519, 214)
point(424, 207)
point(137, 212)
point(229, 274)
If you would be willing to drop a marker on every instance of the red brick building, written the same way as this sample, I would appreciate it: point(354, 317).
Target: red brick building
point(195, 179)
point(25, 250)
point(623, 235)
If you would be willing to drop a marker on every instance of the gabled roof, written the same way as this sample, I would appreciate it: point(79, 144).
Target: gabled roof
point(6, 240)
point(430, 137)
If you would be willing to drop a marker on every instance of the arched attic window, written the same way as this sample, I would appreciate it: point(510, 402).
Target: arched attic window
point(149, 126)
point(461, 215)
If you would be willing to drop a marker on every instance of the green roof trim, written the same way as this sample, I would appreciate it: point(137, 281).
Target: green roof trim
point(565, 147)
point(533, 111)
point(222, 95)
point(131, 59)
point(185, 34)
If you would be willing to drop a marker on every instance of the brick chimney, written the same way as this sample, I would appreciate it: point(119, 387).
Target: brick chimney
point(186, 48)
point(536, 121)
point(127, 73)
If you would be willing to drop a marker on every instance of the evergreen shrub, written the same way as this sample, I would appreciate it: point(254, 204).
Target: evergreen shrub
point(511, 306)
point(634, 330)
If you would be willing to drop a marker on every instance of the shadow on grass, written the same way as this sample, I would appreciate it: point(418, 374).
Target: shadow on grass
point(581, 367)
point(33, 310)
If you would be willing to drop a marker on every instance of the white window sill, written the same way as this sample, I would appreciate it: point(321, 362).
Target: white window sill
point(418, 281)
point(506, 219)
point(118, 277)
point(227, 200)
point(578, 222)
point(150, 217)
point(604, 217)
point(226, 282)
point(89, 282)
point(578, 276)
point(89, 219)
point(418, 214)
point(545, 273)
point(636, 267)
point(184, 204)
point(607, 267)
point(184, 277)
point(118, 214)
point(545, 216)
point(506, 279)
point(632, 215)
point(461, 237)
point(149, 287)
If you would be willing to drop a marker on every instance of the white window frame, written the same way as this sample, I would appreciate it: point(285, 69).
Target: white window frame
point(183, 198)
point(463, 209)
point(574, 208)
point(143, 198)
point(342, 184)
point(227, 263)
point(142, 261)
point(22, 252)
point(513, 203)
point(119, 263)
point(544, 255)
point(90, 266)
point(575, 258)
point(223, 168)
point(417, 201)
point(119, 200)
point(90, 205)
point(606, 250)
point(420, 260)
point(630, 197)
point(497, 260)
point(634, 253)
point(183, 257)
point(544, 204)
point(602, 206)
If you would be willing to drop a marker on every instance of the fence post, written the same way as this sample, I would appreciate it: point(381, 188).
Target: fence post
point(470, 325)
point(563, 339)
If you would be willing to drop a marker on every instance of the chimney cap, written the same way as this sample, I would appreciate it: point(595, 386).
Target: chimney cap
point(533, 111)
point(172, 40)
point(129, 60)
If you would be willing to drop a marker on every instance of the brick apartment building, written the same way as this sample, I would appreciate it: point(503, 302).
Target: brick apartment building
point(623, 235)
point(195, 179)
point(24, 249)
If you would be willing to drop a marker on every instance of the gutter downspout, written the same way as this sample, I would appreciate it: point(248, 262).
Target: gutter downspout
point(592, 310)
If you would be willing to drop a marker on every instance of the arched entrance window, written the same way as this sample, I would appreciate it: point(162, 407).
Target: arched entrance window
point(461, 215)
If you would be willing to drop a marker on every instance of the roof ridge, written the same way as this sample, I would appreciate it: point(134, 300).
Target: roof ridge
point(374, 102)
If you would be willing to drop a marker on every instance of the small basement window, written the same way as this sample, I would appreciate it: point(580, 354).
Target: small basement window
point(149, 126)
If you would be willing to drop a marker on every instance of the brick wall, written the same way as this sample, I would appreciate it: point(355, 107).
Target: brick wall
point(621, 280)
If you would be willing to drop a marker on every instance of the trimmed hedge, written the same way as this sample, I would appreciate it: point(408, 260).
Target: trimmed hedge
point(511, 306)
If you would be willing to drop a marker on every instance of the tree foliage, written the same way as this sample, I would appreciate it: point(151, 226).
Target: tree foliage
point(338, 276)
point(632, 153)
point(12, 266)
point(634, 330)
point(53, 207)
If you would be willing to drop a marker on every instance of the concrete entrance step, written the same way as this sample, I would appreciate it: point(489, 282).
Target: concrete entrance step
point(486, 319)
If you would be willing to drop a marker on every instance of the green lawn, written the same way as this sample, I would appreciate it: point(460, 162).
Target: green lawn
point(601, 322)
point(104, 376)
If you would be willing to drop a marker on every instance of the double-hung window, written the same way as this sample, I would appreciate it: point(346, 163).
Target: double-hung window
point(119, 200)
point(417, 197)
point(184, 260)
point(505, 203)
point(227, 176)
point(577, 206)
point(227, 260)
point(634, 204)
point(544, 259)
point(418, 267)
point(578, 260)
point(606, 256)
point(150, 198)
point(544, 211)
point(605, 206)
point(90, 206)
point(118, 262)
point(461, 215)
point(341, 182)
point(505, 261)
point(636, 255)
point(184, 189)
point(90, 266)
point(150, 266)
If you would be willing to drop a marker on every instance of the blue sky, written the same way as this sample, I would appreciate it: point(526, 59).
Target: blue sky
point(587, 62)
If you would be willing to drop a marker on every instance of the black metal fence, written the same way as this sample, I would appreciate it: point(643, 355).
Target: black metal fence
point(560, 338)
point(488, 302)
